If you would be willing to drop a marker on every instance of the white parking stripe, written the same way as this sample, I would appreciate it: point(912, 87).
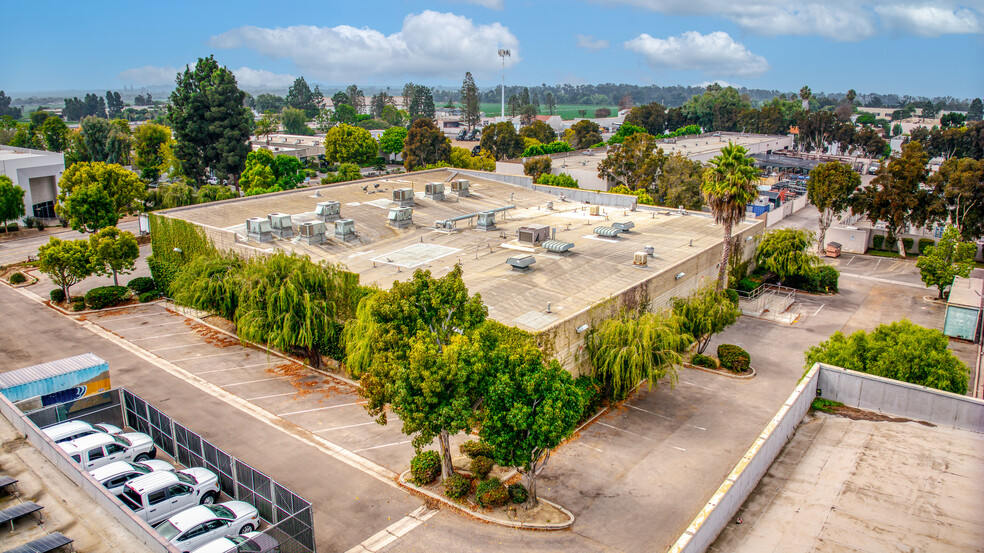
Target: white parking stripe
point(236, 368)
point(380, 446)
point(205, 356)
point(148, 326)
point(174, 347)
point(343, 427)
point(663, 416)
point(161, 336)
point(626, 431)
point(272, 395)
point(254, 381)
point(394, 531)
point(322, 408)
point(110, 319)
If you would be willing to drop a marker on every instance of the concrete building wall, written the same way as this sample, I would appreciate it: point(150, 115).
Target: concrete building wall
point(37, 172)
point(851, 239)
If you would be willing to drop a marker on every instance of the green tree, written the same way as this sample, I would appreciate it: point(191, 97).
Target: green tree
point(583, 134)
point(900, 351)
point(211, 124)
point(679, 183)
point(54, 132)
point(896, 196)
point(634, 163)
point(94, 195)
point(717, 109)
point(960, 183)
point(705, 313)
point(11, 201)
point(626, 350)
point(295, 122)
point(259, 172)
point(103, 141)
point(947, 259)
point(729, 186)
point(348, 144)
point(392, 139)
point(424, 145)
point(501, 140)
point(625, 131)
point(267, 125)
point(66, 262)
point(817, 130)
point(976, 110)
point(300, 97)
point(379, 101)
point(651, 117)
point(831, 189)
point(209, 283)
point(113, 252)
point(540, 131)
point(269, 103)
point(786, 253)
point(471, 109)
point(148, 142)
point(344, 113)
point(214, 193)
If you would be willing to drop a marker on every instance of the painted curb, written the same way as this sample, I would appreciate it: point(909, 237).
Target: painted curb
point(509, 524)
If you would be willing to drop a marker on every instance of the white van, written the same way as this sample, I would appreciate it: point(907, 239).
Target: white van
point(67, 431)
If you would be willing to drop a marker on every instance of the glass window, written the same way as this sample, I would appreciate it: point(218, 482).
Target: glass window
point(96, 454)
point(167, 530)
point(113, 448)
point(214, 525)
point(194, 532)
point(156, 497)
point(179, 489)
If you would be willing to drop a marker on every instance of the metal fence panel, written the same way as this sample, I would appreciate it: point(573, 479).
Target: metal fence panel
point(220, 463)
point(188, 446)
point(161, 430)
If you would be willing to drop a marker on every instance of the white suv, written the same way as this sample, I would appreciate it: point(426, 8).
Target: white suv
point(96, 450)
point(67, 431)
point(159, 495)
point(114, 475)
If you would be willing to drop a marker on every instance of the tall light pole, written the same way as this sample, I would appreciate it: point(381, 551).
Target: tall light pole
point(503, 53)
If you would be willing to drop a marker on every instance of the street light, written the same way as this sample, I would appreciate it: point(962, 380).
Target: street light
point(504, 53)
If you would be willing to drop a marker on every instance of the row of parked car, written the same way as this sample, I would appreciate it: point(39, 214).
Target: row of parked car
point(180, 504)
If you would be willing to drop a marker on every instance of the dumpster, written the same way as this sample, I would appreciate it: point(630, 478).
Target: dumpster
point(833, 249)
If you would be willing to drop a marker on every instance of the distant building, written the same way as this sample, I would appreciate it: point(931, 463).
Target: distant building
point(38, 173)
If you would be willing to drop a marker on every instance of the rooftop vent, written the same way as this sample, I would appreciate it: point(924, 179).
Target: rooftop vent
point(594, 210)
point(460, 187)
point(281, 226)
point(486, 221)
point(345, 229)
point(522, 263)
point(533, 234)
point(258, 228)
point(608, 232)
point(557, 246)
point(640, 258)
point(400, 217)
point(434, 191)
point(624, 227)
point(650, 250)
point(328, 211)
point(403, 197)
point(312, 232)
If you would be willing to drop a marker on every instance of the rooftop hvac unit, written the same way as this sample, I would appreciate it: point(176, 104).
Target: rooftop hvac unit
point(522, 263)
point(434, 191)
point(608, 232)
point(258, 228)
point(400, 217)
point(640, 258)
point(281, 225)
point(557, 246)
point(594, 210)
point(345, 229)
point(533, 234)
point(486, 220)
point(403, 197)
point(624, 227)
point(549, 206)
point(328, 211)
point(460, 187)
point(650, 250)
point(312, 232)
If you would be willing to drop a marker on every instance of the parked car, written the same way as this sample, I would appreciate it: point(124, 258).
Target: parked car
point(71, 430)
point(96, 450)
point(199, 525)
point(874, 167)
point(114, 475)
point(156, 496)
point(250, 542)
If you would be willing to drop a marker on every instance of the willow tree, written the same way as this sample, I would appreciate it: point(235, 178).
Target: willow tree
point(626, 350)
point(293, 304)
point(209, 283)
point(704, 314)
point(400, 342)
point(729, 185)
point(786, 253)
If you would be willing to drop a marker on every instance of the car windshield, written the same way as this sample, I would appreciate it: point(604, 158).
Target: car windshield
point(132, 499)
point(222, 511)
point(186, 478)
point(143, 469)
point(122, 440)
point(167, 530)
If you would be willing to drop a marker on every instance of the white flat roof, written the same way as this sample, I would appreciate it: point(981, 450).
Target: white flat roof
point(9, 155)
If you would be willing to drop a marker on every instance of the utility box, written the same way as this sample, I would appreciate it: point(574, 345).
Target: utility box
point(486, 220)
point(434, 191)
point(640, 258)
point(345, 229)
point(400, 217)
point(258, 228)
point(533, 234)
point(594, 210)
point(460, 188)
point(403, 197)
point(281, 225)
point(522, 264)
point(624, 227)
point(328, 211)
point(312, 232)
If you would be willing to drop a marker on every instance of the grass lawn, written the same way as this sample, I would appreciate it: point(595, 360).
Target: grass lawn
point(566, 111)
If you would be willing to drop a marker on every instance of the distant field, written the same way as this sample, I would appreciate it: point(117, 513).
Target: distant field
point(566, 111)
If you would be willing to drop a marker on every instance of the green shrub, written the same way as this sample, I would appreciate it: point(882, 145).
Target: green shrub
point(78, 304)
point(907, 243)
point(702, 360)
point(149, 296)
point(17, 278)
point(732, 295)
point(481, 467)
point(163, 272)
point(105, 296)
point(491, 493)
point(141, 285)
point(829, 277)
point(734, 358)
point(877, 241)
point(40, 225)
point(424, 467)
point(589, 389)
point(475, 449)
point(924, 244)
point(29, 222)
point(748, 285)
point(57, 295)
point(563, 180)
point(537, 166)
point(11, 227)
point(518, 493)
point(825, 405)
point(821, 280)
point(457, 486)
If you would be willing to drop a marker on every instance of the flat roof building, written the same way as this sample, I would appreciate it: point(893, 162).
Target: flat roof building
point(38, 173)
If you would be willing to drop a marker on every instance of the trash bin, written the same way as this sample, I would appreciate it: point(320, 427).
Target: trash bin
point(833, 249)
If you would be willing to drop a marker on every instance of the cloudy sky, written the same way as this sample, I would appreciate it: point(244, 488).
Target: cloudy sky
point(918, 47)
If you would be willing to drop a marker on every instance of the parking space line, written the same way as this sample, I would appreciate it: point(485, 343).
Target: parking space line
point(205, 356)
point(234, 368)
point(626, 431)
point(161, 336)
point(698, 385)
point(818, 309)
point(343, 427)
point(675, 447)
point(589, 447)
point(173, 347)
point(272, 395)
point(664, 416)
point(322, 408)
point(254, 381)
point(147, 326)
point(130, 317)
point(394, 531)
point(380, 446)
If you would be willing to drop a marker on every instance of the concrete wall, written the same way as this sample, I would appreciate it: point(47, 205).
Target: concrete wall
point(44, 168)
point(621, 201)
point(902, 399)
point(785, 210)
point(736, 488)
point(852, 239)
point(140, 529)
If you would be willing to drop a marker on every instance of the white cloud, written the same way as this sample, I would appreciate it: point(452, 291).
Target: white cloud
point(589, 42)
point(713, 54)
point(149, 75)
point(430, 44)
point(490, 4)
point(929, 20)
point(261, 78)
point(846, 20)
point(719, 82)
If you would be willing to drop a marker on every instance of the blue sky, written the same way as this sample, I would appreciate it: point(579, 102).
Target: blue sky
point(923, 47)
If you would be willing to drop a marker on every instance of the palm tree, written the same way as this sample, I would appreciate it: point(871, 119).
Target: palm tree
point(805, 94)
point(728, 187)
